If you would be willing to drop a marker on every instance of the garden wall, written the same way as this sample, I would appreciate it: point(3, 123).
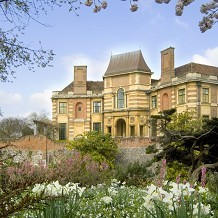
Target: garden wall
point(40, 148)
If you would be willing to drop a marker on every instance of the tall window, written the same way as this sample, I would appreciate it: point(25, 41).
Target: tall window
point(97, 107)
point(62, 107)
point(132, 130)
point(109, 129)
point(205, 95)
point(181, 96)
point(120, 98)
point(97, 127)
point(154, 101)
point(79, 112)
point(141, 130)
point(62, 131)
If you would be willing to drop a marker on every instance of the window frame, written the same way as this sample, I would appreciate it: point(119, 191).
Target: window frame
point(96, 107)
point(120, 98)
point(62, 107)
point(181, 96)
point(62, 131)
point(98, 128)
point(154, 101)
point(205, 96)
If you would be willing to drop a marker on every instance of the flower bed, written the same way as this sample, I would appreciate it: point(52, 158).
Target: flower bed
point(118, 200)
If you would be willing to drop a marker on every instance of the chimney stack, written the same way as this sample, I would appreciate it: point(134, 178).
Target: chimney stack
point(167, 65)
point(80, 79)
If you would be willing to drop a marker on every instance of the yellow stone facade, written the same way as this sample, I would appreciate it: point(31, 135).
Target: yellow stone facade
point(122, 104)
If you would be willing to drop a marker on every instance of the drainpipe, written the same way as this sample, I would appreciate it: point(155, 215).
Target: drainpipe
point(102, 114)
point(90, 122)
point(199, 99)
point(148, 92)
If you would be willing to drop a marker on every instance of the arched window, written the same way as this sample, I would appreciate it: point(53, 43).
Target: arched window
point(120, 98)
point(79, 113)
point(165, 101)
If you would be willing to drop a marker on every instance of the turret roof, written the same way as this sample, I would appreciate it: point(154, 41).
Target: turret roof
point(127, 62)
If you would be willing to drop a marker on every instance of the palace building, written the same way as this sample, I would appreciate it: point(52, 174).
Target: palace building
point(122, 104)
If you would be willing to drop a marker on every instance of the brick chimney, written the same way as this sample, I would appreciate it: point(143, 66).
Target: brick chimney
point(80, 79)
point(167, 65)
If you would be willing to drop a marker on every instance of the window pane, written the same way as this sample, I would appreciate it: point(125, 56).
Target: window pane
point(181, 96)
point(141, 131)
point(205, 95)
point(120, 98)
point(154, 101)
point(97, 107)
point(62, 107)
point(62, 131)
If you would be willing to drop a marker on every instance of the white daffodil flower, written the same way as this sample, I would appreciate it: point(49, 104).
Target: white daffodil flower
point(107, 199)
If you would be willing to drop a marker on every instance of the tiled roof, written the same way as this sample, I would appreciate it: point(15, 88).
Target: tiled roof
point(94, 86)
point(127, 62)
point(196, 68)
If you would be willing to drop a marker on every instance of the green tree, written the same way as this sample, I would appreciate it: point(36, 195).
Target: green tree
point(159, 123)
point(102, 147)
point(192, 142)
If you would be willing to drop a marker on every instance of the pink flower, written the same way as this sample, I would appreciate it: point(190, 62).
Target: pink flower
point(203, 176)
point(162, 172)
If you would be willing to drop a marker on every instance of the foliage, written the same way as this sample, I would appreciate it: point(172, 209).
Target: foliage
point(12, 127)
point(151, 149)
point(117, 200)
point(212, 181)
point(184, 123)
point(30, 191)
point(135, 174)
point(102, 147)
point(82, 169)
point(208, 9)
point(17, 178)
point(176, 168)
point(161, 122)
point(190, 141)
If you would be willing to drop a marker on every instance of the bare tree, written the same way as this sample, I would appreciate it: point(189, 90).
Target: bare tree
point(15, 16)
point(12, 127)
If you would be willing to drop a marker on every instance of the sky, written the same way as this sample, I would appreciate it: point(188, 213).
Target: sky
point(91, 38)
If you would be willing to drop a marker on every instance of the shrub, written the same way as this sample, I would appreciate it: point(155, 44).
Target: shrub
point(174, 169)
point(80, 169)
point(16, 179)
point(135, 173)
point(151, 149)
point(102, 147)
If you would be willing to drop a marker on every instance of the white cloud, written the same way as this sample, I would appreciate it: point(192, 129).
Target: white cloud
point(95, 68)
point(209, 57)
point(181, 23)
point(10, 98)
point(41, 101)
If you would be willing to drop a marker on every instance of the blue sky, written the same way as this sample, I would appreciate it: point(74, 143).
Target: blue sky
point(90, 39)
